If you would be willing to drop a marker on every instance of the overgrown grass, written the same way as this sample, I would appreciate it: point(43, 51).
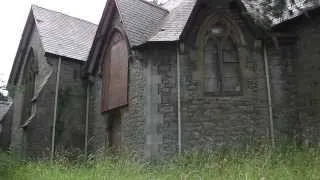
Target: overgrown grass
point(288, 164)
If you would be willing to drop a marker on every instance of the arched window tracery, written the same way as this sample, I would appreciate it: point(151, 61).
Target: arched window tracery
point(221, 60)
point(29, 85)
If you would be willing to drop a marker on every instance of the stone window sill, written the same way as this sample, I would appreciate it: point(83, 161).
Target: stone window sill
point(223, 94)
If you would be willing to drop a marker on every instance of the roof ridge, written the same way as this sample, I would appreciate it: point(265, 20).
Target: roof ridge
point(151, 4)
point(73, 17)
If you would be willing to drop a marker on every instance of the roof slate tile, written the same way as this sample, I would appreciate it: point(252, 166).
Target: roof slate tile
point(64, 35)
point(174, 24)
point(141, 19)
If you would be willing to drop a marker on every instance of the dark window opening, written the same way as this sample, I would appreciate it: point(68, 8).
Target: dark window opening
point(29, 82)
point(221, 63)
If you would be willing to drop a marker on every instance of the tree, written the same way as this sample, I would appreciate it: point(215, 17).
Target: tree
point(2, 97)
point(3, 90)
point(269, 12)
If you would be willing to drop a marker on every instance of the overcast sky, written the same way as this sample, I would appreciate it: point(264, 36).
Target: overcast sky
point(13, 16)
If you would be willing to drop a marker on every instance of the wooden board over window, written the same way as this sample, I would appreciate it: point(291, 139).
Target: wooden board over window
point(115, 89)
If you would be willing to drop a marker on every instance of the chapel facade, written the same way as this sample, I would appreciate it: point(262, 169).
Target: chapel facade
point(162, 80)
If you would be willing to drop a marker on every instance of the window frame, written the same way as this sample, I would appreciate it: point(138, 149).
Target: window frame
point(219, 71)
point(29, 81)
point(237, 37)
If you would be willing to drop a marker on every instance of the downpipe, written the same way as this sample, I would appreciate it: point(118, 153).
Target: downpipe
point(87, 121)
point(55, 112)
point(270, 111)
point(179, 99)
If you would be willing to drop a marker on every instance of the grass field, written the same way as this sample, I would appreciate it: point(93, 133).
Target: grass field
point(290, 164)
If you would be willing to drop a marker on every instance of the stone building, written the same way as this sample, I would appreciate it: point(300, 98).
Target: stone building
point(45, 83)
point(160, 80)
point(295, 69)
point(199, 75)
point(165, 81)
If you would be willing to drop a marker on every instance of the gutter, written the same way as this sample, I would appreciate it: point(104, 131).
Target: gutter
point(270, 111)
point(55, 112)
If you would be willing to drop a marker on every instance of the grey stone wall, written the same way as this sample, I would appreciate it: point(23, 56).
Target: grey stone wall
point(71, 104)
point(35, 139)
point(160, 102)
point(133, 118)
point(283, 78)
point(148, 126)
point(17, 135)
point(37, 135)
point(300, 88)
point(98, 122)
point(307, 76)
point(213, 122)
point(150, 121)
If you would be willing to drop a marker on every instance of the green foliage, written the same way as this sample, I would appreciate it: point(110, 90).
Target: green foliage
point(285, 163)
point(267, 12)
point(2, 84)
point(8, 162)
point(2, 89)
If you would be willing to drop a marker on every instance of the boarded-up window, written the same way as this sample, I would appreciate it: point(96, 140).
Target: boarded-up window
point(221, 63)
point(115, 74)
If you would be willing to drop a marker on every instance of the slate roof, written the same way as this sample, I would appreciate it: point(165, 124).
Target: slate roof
point(146, 22)
point(64, 35)
point(141, 19)
point(174, 24)
point(149, 23)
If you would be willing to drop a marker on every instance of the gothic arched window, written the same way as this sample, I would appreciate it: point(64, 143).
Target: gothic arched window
point(221, 61)
point(29, 83)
